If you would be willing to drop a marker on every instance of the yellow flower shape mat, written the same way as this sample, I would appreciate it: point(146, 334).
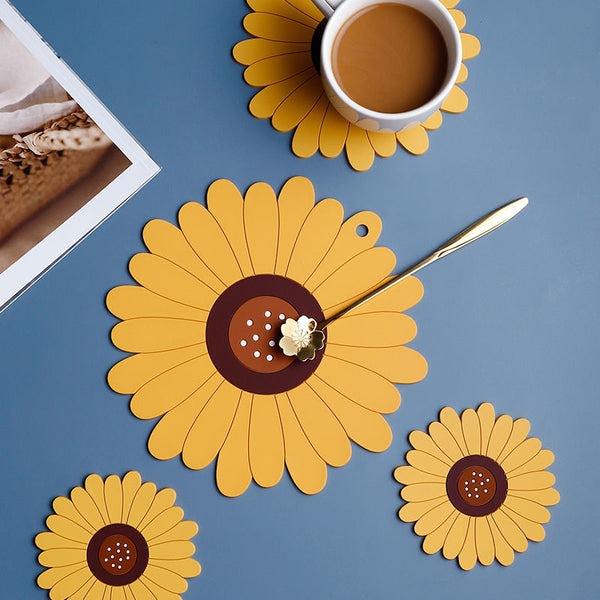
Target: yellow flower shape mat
point(117, 539)
point(278, 59)
point(205, 321)
point(477, 487)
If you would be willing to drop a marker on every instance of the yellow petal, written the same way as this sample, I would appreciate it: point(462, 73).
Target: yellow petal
point(165, 578)
point(210, 428)
point(359, 384)
point(128, 375)
point(407, 474)
point(130, 301)
point(266, 446)
point(163, 500)
point(433, 122)
point(169, 280)
point(139, 591)
point(468, 554)
point(315, 238)
point(487, 417)
point(157, 591)
point(264, 104)
point(305, 142)
point(283, 8)
point(504, 553)
point(113, 495)
point(275, 70)
point(517, 435)
point(412, 511)
point(455, 539)
point(532, 529)
point(320, 426)
point(427, 463)
point(528, 509)
point(168, 437)
point(470, 45)
point(118, 593)
point(384, 144)
point(456, 101)
point(154, 334)
point(308, 8)
point(334, 132)
point(183, 530)
point(141, 503)
point(471, 431)
point(68, 529)
point(372, 330)
point(365, 427)
point(94, 486)
point(208, 241)
point(64, 507)
point(398, 298)
point(346, 245)
point(67, 586)
point(296, 200)
point(355, 277)
point(421, 441)
point(275, 27)
point(187, 567)
point(226, 204)
point(434, 518)
point(419, 492)
point(161, 523)
point(463, 74)
point(171, 388)
point(509, 530)
point(359, 150)
point(47, 540)
point(499, 436)
point(451, 421)
point(449, 3)
point(61, 557)
point(51, 577)
point(130, 485)
point(546, 497)
point(459, 18)
point(415, 140)
point(445, 441)
point(168, 241)
point(522, 454)
point(398, 364)
point(298, 104)
point(434, 541)
point(84, 592)
point(484, 541)
point(542, 460)
point(305, 466)
point(252, 50)
point(261, 222)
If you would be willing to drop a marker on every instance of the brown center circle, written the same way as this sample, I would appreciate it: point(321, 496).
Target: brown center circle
point(227, 327)
point(255, 331)
point(117, 554)
point(476, 485)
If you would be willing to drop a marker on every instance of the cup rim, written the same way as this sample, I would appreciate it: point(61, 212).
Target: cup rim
point(341, 15)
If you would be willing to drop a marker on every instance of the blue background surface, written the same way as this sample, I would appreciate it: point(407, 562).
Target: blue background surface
point(512, 320)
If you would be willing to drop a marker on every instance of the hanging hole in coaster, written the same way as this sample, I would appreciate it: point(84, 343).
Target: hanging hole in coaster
point(362, 231)
point(315, 45)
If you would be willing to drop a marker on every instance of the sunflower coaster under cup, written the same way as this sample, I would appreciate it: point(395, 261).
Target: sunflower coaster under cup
point(280, 58)
point(477, 487)
point(118, 539)
point(205, 321)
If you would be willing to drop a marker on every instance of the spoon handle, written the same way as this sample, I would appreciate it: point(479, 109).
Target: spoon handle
point(473, 232)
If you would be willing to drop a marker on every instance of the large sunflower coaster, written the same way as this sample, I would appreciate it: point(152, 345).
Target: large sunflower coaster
point(205, 321)
point(280, 59)
point(477, 487)
point(117, 539)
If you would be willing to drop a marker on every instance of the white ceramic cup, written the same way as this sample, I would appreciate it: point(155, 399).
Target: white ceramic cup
point(338, 12)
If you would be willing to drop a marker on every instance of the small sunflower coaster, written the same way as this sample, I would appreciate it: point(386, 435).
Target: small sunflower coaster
point(279, 59)
point(205, 321)
point(476, 486)
point(118, 539)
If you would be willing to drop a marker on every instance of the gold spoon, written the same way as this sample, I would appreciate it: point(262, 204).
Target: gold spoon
point(302, 338)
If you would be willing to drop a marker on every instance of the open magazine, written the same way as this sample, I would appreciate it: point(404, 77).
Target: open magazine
point(65, 162)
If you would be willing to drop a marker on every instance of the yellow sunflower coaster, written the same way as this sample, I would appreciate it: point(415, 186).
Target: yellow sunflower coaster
point(117, 539)
point(477, 487)
point(278, 59)
point(205, 321)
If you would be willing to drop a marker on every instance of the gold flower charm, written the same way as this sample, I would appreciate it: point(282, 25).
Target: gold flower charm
point(476, 486)
point(118, 539)
point(278, 59)
point(301, 338)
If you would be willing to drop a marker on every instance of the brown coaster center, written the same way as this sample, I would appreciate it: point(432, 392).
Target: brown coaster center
point(476, 485)
point(117, 554)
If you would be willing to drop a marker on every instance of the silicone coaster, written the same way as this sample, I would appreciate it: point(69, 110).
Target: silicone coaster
point(118, 539)
point(205, 321)
point(477, 487)
point(279, 59)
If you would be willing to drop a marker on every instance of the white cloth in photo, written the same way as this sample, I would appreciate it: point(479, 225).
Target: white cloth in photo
point(29, 95)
